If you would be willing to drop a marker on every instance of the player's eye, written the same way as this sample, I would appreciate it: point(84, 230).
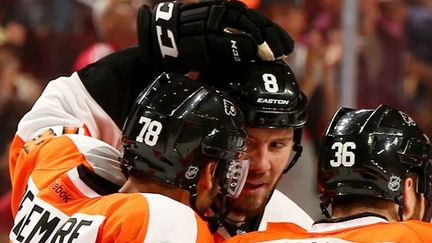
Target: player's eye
point(278, 144)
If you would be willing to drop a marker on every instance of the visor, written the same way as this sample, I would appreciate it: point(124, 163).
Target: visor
point(236, 174)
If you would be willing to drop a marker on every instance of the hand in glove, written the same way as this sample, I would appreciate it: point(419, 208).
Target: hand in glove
point(184, 37)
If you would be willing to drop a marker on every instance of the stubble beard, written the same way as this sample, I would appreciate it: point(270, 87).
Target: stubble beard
point(249, 205)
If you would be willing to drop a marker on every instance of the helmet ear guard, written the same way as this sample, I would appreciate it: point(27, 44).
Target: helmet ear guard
point(426, 185)
point(370, 153)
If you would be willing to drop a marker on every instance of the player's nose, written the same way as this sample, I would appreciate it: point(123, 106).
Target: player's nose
point(259, 157)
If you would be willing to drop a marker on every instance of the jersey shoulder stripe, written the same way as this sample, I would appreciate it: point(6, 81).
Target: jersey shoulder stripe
point(59, 155)
point(101, 156)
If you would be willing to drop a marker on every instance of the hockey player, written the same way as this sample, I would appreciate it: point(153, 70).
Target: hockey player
point(275, 111)
point(375, 171)
point(197, 37)
point(96, 100)
point(181, 141)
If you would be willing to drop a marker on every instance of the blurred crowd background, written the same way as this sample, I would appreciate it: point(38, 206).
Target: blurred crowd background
point(44, 39)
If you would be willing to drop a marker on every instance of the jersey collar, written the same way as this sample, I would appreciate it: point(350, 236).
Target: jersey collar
point(355, 220)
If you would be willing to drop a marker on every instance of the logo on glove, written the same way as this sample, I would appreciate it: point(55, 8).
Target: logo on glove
point(164, 13)
point(235, 51)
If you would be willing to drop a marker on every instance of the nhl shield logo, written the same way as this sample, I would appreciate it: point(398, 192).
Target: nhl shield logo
point(192, 172)
point(230, 109)
point(394, 183)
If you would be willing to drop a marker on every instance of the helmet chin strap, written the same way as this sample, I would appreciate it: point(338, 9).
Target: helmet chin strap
point(428, 212)
point(324, 205)
point(297, 148)
point(426, 190)
point(400, 201)
point(214, 221)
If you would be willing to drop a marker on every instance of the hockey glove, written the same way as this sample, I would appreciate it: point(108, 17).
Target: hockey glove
point(184, 37)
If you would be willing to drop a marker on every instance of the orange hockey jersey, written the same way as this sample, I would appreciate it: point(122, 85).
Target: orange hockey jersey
point(51, 172)
point(362, 228)
point(64, 107)
point(134, 217)
point(55, 174)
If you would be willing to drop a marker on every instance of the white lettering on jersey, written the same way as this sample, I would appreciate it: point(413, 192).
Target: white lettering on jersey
point(79, 228)
point(36, 220)
point(272, 101)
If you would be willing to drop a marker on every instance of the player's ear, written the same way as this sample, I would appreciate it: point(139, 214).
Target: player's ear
point(207, 188)
point(206, 180)
point(414, 202)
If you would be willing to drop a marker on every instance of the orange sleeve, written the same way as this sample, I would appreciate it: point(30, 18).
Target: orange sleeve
point(203, 234)
point(44, 163)
point(14, 152)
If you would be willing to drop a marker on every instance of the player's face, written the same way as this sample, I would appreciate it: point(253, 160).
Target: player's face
point(269, 151)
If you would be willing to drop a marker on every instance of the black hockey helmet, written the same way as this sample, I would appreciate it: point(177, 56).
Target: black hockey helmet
point(369, 153)
point(176, 125)
point(268, 95)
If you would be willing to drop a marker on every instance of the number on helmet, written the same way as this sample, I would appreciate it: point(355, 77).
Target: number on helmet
point(150, 131)
point(270, 82)
point(344, 155)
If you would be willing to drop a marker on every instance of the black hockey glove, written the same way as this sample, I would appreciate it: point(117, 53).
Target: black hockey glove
point(184, 37)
